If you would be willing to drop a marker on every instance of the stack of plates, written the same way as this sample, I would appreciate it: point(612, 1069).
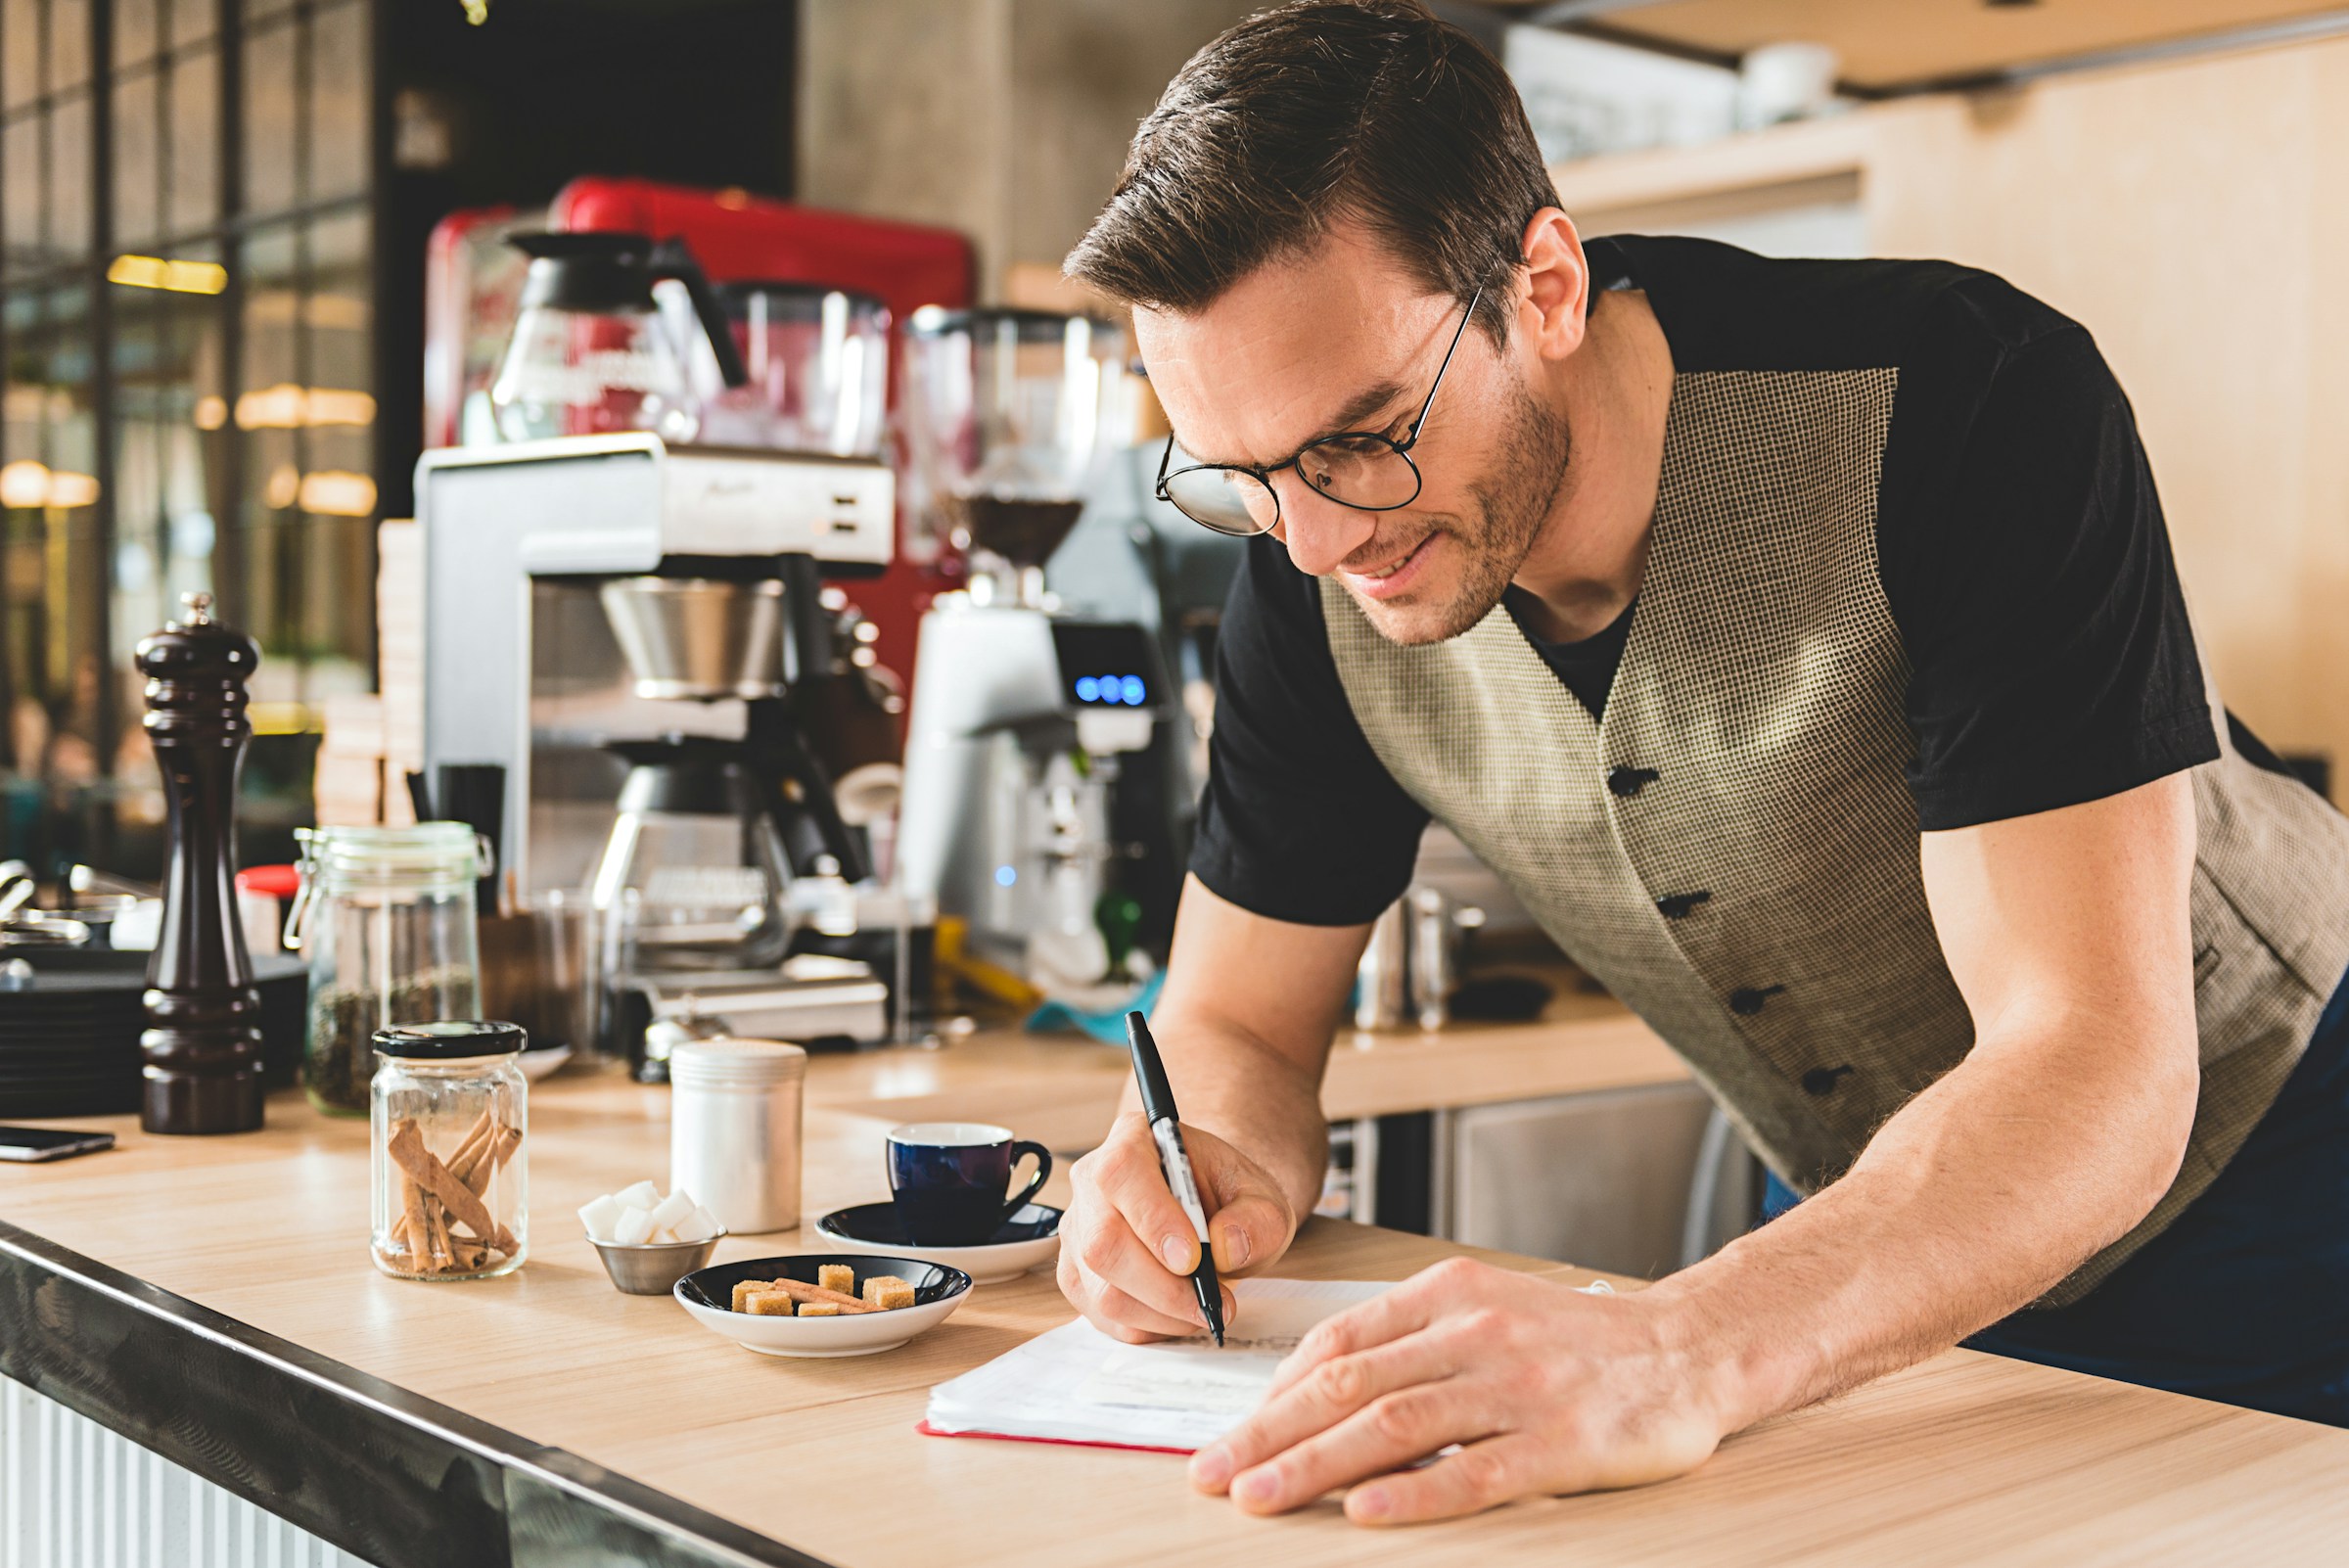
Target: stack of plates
point(69, 1040)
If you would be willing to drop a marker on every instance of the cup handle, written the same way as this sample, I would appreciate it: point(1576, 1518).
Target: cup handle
point(1036, 1182)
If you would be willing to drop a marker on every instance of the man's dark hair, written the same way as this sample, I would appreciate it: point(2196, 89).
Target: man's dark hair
point(1313, 114)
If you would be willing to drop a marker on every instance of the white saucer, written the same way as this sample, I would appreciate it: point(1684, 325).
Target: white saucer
point(1030, 1239)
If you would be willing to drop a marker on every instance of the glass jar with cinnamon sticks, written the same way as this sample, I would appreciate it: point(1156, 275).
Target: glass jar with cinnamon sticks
point(450, 1171)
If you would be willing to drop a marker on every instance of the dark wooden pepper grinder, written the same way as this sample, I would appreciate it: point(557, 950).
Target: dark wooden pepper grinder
point(203, 1040)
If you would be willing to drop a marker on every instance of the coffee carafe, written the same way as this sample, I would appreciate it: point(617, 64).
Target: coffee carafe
point(591, 353)
point(694, 859)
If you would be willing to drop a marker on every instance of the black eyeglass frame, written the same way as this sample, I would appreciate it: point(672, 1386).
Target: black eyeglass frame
point(1264, 476)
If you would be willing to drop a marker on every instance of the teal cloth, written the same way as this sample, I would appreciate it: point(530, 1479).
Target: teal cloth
point(1109, 1027)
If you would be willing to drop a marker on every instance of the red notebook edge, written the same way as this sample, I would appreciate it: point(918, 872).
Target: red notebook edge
point(924, 1427)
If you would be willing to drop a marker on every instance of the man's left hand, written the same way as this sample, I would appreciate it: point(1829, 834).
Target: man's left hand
point(1543, 1388)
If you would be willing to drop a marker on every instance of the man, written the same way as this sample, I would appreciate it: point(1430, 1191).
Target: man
point(1800, 641)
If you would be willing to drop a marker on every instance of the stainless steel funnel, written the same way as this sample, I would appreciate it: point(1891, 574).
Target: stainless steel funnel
point(700, 639)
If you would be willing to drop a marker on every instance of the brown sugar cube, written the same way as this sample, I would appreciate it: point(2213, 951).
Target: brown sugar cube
point(836, 1276)
point(745, 1289)
point(818, 1308)
point(769, 1304)
point(888, 1292)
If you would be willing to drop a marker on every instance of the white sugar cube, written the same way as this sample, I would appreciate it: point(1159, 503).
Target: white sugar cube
point(643, 1195)
point(671, 1212)
point(701, 1227)
point(635, 1228)
point(600, 1216)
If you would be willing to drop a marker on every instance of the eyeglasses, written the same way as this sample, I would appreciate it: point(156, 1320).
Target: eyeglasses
point(1369, 472)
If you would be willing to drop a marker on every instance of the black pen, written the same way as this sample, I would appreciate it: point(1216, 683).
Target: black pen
point(1158, 1106)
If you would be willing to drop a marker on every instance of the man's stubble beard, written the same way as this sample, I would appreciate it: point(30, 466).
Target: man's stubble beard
point(1512, 502)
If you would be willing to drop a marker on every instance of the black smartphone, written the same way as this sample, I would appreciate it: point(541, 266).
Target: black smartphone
point(50, 1143)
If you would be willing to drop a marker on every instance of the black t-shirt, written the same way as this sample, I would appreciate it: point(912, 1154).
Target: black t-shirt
point(2019, 542)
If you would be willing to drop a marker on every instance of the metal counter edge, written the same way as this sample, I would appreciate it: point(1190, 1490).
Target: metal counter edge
point(294, 1432)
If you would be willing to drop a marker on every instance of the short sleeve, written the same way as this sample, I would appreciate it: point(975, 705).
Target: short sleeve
point(2025, 559)
point(1300, 820)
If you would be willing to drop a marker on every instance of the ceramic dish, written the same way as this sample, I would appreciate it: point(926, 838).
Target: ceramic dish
point(536, 1064)
point(708, 1293)
point(1029, 1239)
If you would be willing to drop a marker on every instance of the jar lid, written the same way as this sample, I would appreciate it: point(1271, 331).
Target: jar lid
point(735, 1062)
point(452, 1040)
point(429, 852)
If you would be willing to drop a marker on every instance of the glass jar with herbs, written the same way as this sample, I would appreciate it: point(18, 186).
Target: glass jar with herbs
point(385, 916)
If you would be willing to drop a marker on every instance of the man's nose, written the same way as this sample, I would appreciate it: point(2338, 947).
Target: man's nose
point(1318, 531)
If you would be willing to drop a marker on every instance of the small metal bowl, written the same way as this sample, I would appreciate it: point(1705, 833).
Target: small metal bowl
point(653, 1267)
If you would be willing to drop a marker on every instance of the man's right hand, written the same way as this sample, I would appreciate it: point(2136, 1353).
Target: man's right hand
point(1127, 1249)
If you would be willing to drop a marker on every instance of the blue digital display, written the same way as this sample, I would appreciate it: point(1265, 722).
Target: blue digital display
point(1107, 663)
point(1112, 691)
point(1005, 876)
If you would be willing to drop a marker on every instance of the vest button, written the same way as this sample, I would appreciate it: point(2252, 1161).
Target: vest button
point(1745, 1000)
point(1625, 781)
point(1821, 1079)
point(1677, 906)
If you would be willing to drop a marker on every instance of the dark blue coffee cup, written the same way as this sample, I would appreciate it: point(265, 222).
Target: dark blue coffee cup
point(948, 1179)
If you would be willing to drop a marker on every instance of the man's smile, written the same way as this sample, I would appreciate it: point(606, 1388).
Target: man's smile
point(1395, 575)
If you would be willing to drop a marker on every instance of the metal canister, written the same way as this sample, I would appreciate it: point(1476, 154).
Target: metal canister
point(734, 1129)
point(1382, 978)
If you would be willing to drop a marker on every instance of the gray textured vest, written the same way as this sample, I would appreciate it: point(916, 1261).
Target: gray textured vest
point(1752, 754)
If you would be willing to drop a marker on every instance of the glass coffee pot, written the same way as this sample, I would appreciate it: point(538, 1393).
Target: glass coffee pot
point(694, 874)
point(592, 354)
point(817, 360)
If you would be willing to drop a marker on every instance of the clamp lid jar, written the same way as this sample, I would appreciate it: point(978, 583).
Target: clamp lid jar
point(385, 917)
point(450, 1175)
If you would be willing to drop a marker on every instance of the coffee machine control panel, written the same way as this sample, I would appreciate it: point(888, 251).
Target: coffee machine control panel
point(720, 501)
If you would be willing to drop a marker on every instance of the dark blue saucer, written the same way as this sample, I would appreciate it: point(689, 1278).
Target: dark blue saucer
point(875, 1225)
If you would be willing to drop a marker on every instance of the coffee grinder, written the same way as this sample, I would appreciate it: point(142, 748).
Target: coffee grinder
point(1021, 717)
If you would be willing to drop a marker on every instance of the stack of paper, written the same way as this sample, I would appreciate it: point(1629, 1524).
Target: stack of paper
point(1078, 1385)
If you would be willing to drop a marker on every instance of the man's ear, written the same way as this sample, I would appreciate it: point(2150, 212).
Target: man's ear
point(1556, 300)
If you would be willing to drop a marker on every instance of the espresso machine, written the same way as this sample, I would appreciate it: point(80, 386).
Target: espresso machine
point(619, 624)
point(1023, 719)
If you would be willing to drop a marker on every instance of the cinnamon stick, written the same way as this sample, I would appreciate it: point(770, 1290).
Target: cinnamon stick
point(797, 1290)
point(407, 1148)
point(437, 1244)
point(411, 1203)
point(495, 1150)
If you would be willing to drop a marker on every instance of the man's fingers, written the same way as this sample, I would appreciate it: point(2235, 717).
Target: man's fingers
point(1406, 1309)
point(1480, 1476)
point(1110, 1253)
point(1131, 1180)
point(1123, 1317)
point(1399, 1375)
point(1391, 1432)
point(1250, 1230)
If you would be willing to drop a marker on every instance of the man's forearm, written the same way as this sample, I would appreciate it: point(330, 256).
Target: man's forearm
point(1983, 1192)
point(1253, 1097)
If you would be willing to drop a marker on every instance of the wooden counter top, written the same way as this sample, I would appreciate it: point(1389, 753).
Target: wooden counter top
point(1967, 1459)
point(1064, 1089)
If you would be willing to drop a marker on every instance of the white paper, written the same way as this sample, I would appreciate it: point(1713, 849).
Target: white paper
point(1078, 1385)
